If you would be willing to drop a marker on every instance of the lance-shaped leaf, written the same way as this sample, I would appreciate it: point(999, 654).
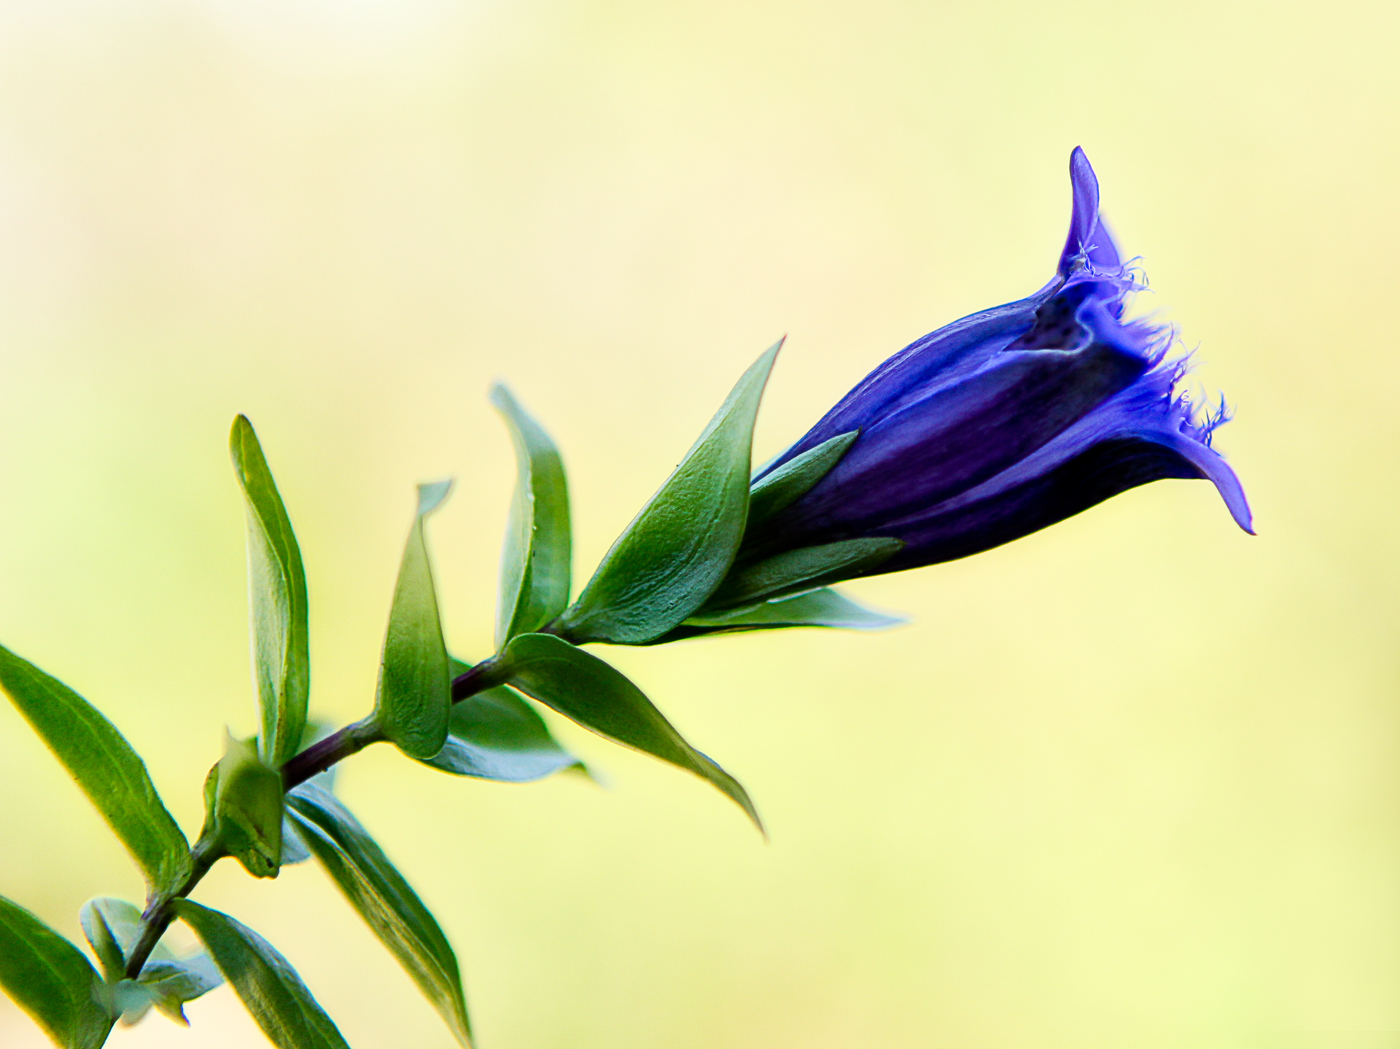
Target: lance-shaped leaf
point(822, 607)
point(269, 987)
point(51, 980)
point(597, 696)
point(415, 687)
point(795, 478)
point(277, 599)
point(384, 899)
point(535, 560)
point(676, 551)
point(804, 568)
point(110, 773)
point(497, 735)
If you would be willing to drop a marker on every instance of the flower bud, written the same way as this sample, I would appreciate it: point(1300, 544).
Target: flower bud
point(243, 808)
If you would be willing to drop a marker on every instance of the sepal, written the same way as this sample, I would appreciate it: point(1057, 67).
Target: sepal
point(677, 550)
point(822, 607)
point(777, 490)
point(802, 569)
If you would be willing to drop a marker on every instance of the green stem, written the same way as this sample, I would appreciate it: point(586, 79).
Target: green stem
point(158, 914)
point(314, 759)
point(355, 737)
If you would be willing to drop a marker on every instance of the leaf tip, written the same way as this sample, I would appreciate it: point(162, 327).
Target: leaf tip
point(433, 495)
point(771, 354)
point(500, 397)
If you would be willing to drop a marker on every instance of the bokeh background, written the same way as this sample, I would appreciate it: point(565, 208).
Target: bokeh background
point(1133, 781)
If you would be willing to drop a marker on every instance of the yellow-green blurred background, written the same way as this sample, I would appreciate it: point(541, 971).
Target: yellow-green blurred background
point(1131, 782)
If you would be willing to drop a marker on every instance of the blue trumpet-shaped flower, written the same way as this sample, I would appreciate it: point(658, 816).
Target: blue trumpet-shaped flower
point(1006, 421)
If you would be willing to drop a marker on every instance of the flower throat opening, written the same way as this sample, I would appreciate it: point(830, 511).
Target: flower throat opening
point(1056, 325)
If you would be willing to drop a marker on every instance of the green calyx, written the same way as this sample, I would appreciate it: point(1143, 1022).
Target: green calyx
point(243, 808)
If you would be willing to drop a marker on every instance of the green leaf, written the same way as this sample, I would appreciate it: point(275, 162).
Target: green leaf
point(415, 689)
point(584, 688)
point(269, 987)
point(677, 550)
point(497, 735)
point(805, 568)
point(168, 985)
point(386, 902)
point(51, 980)
point(796, 477)
point(822, 607)
point(535, 561)
point(277, 596)
point(110, 773)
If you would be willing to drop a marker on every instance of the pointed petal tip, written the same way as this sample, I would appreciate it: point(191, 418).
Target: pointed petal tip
point(1228, 485)
point(1084, 185)
point(1243, 516)
point(1213, 468)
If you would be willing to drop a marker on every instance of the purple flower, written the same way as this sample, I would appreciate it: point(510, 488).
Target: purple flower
point(1007, 421)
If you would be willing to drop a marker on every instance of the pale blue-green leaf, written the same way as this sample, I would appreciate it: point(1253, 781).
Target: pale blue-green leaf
point(110, 773)
point(497, 735)
point(168, 985)
point(294, 850)
point(384, 899)
point(535, 561)
point(804, 569)
point(131, 1001)
point(110, 954)
point(51, 980)
point(415, 689)
point(269, 987)
point(796, 477)
point(277, 599)
point(110, 923)
point(597, 696)
point(677, 550)
point(822, 607)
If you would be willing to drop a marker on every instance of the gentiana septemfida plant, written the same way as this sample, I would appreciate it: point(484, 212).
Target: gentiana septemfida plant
point(983, 431)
